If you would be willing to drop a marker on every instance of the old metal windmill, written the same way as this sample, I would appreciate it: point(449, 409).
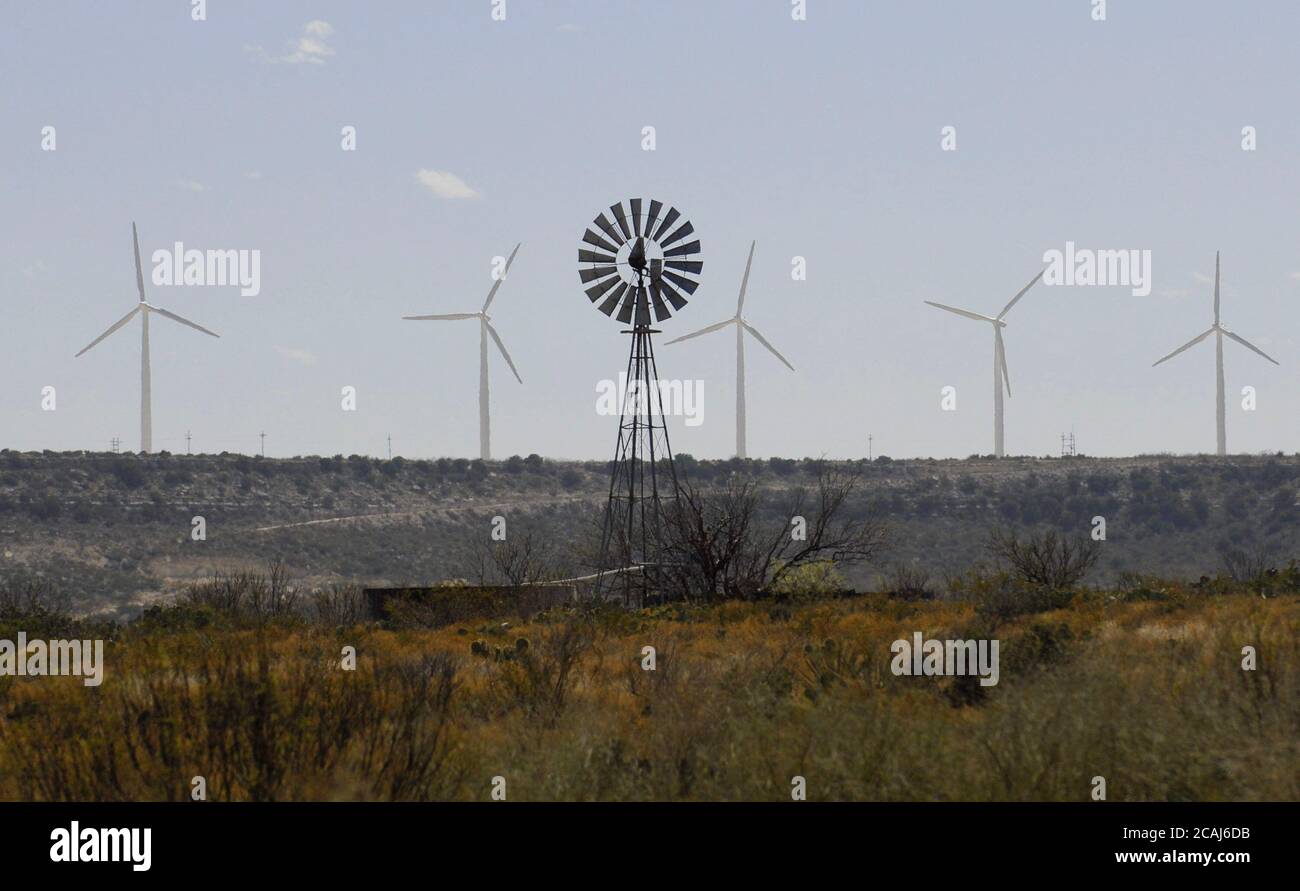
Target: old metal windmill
point(639, 263)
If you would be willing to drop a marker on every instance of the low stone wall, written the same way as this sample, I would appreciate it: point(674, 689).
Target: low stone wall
point(439, 606)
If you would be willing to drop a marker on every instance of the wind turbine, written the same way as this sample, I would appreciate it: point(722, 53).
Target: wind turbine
point(741, 327)
point(1220, 332)
point(144, 308)
point(1000, 375)
point(485, 330)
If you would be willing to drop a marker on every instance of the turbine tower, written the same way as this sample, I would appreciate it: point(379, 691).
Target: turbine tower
point(1219, 333)
point(144, 308)
point(485, 330)
point(1000, 375)
point(741, 327)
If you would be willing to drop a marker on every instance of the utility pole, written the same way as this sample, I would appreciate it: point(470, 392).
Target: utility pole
point(116, 442)
point(187, 442)
point(263, 435)
point(869, 438)
point(390, 447)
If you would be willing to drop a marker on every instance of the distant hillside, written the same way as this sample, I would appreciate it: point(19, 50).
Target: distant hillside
point(113, 531)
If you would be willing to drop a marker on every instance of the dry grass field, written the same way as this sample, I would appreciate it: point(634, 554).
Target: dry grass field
point(1142, 685)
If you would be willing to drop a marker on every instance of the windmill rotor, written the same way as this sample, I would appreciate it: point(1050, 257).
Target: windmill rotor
point(636, 261)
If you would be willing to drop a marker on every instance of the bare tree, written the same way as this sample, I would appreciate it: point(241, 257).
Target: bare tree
point(723, 543)
point(522, 558)
point(1046, 560)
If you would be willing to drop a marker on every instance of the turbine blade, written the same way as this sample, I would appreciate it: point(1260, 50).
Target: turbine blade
point(1191, 343)
point(1016, 299)
point(497, 284)
point(1002, 358)
point(176, 318)
point(744, 281)
point(694, 267)
point(1216, 287)
point(963, 312)
point(442, 317)
point(594, 257)
point(596, 291)
point(702, 331)
point(118, 324)
point(139, 272)
point(684, 249)
point(502, 347)
point(763, 340)
point(1248, 345)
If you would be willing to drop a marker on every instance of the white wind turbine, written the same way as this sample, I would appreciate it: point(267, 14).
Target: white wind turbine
point(1000, 375)
point(143, 308)
point(1220, 332)
point(741, 327)
point(485, 330)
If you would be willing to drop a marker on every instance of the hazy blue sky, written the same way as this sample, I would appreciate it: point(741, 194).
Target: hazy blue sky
point(818, 138)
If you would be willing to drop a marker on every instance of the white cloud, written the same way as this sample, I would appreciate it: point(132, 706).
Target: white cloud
point(190, 185)
point(310, 48)
point(296, 354)
point(444, 184)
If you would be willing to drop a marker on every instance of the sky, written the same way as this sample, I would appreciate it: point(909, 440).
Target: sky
point(819, 138)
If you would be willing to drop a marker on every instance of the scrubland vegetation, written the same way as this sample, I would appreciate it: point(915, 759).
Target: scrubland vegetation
point(242, 684)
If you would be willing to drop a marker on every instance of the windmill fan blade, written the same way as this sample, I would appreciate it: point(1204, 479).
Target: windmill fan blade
point(597, 290)
point(139, 273)
point(1187, 346)
point(1016, 299)
point(656, 269)
point(692, 266)
point(667, 223)
point(1248, 345)
point(118, 324)
point(657, 297)
point(655, 207)
point(599, 272)
point(611, 302)
point(594, 257)
point(497, 284)
point(642, 307)
point(677, 300)
point(682, 231)
point(176, 318)
point(502, 347)
point(621, 218)
point(625, 311)
point(681, 281)
point(443, 317)
point(593, 239)
point(962, 312)
point(608, 228)
point(1002, 359)
point(763, 340)
point(682, 250)
point(708, 330)
point(636, 216)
